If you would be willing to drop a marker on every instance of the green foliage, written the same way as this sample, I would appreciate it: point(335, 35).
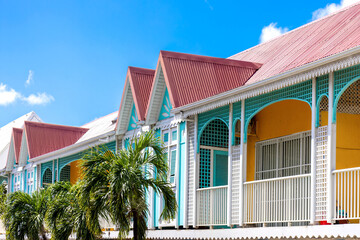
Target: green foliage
point(3, 197)
point(65, 214)
point(114, 185)
point(25, 215)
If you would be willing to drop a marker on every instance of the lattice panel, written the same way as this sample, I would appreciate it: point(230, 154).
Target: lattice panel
point(65, 174)
point(205, 168)
point(349, 101)
point(47, 177)
point(301, 91)
point(216, 134)
point(322, 86)
point(321, 166)
point(323, 106)
point(222, 112)
point(343, 77)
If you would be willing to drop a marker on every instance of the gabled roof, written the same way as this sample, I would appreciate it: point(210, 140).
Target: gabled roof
point(190, 78)
point(136, 91)
point(43, 138)
point(16, 137)
point(316, 40)
point(6, 132)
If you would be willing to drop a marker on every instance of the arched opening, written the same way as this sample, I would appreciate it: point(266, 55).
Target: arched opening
point(348, 128)
point(278, 164)
point(347, 173)
point(213, 174)
point(47, 178)
point(279, 141)
point(214, 142)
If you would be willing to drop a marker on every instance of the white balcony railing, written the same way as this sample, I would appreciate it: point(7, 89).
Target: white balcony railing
point(277, 200)
point(347, 190)
point(212, 206)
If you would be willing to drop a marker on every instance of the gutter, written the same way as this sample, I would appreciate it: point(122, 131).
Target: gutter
point(74, 148)
point(288, 74)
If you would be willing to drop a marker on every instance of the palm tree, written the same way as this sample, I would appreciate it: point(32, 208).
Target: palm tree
point(115, 185)
point(65, 215)
point(25, 215)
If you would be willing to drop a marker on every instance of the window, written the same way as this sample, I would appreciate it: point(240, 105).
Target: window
point(17, 182)
point(30, 181)
point(284, 156)
point(170, 145)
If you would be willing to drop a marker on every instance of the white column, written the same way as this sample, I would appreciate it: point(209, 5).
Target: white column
point(229, 193)
point(177, 174)
point(53, 172)
point(196, 173)
point(313, 154)
point(242, 165)
point(331, 151)
point(186, 175)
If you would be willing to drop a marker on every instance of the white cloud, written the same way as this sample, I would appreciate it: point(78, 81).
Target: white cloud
point(7, 95)
point(38, 99)
point(271, 32)
point(330, 8)
point(29, 78)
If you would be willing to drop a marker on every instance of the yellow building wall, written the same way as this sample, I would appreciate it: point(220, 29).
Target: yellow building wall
point(75, 171)
point(347, 139)
point(279, 119)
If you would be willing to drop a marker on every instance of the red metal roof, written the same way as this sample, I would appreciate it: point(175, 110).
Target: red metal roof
point(316, 40)
point(141, 80)
point(191, 78)
point(17, 135)
point(44, 138)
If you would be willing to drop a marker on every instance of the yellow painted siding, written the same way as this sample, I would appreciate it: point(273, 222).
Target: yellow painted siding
point(279, 119)
point(75, 171)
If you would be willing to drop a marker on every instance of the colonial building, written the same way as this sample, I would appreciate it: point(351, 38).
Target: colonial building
point(263, 144)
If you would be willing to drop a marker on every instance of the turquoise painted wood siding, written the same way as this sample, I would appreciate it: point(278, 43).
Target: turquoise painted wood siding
point(182, 156)
point(133, 119)
point(165, 107)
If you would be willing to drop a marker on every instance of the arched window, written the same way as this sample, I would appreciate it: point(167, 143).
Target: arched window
point(214, 142)
point(65, 174)
point(47, 178)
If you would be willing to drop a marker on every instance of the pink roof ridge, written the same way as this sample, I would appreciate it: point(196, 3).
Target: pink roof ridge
point(321, 38)
point(44, 137)
point(191, 78)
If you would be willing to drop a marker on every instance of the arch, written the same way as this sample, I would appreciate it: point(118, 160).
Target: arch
point(65, 173)
point(233, 141)
point(263, 107)
point(318, 108)
point(204, 127)
point(47, 177)
point(338, 96)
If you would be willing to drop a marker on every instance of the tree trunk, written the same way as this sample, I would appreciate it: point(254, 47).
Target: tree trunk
point(135, 226)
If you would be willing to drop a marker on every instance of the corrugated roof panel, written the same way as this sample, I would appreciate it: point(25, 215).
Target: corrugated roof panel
point(191, 78)
point(319, 39)
point(141, 83)
point(44, 138)
point(17, 135)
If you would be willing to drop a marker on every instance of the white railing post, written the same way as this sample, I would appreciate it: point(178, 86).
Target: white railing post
point(229, 194)
point(313, 154)
point(242, 165)
point(331, 150)
point(196, 174)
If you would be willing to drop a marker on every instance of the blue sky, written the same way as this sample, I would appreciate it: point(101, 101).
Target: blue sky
point(67, 60)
